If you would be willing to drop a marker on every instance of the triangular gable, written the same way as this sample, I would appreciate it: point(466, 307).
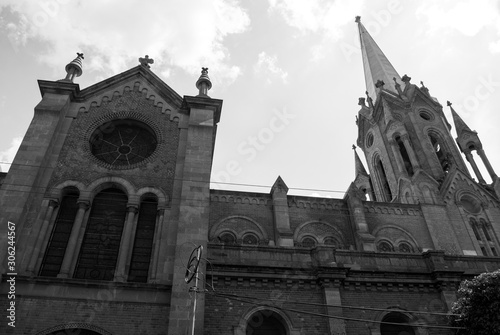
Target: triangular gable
point(456, 181)
point(149, 83)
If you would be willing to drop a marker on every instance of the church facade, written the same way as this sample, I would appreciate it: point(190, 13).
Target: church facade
point(118, 232)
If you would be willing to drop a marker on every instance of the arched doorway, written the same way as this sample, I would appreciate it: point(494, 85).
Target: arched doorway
point(401, 328)
point(266, 322)
point(74, 331)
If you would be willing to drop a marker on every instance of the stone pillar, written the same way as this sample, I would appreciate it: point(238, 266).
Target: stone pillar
point(470, 159)
point(364, 240)
point(34, 165)
point(126, 244)
point(332, 298)
point(52, 204)
point(190, 211)
point(397, 155)
point(283, 235)
point(486, 163)
point(411, 153)
point(73, 238)
point(156, 245)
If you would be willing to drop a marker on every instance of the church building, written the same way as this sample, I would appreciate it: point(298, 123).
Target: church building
point(118, 232)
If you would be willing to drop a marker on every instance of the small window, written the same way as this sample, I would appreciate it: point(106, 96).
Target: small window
point(425, 115)
point(250, 239)
point(384, 246)
point(308, 242)
point(369, 140)
point(331, 241)
point(405, 247)
point(227, 238)
point(483, 250)
point(494, 251)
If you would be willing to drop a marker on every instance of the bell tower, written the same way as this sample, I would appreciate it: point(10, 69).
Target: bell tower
point(403, 133)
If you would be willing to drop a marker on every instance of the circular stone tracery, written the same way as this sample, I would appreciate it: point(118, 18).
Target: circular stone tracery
point(123, 143)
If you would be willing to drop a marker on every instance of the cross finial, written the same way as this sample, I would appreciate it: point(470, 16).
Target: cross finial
point(379, 83)
point(146, 61)
point(448, 103)
point(358, 19)
point(353, 147)
point(80, 54)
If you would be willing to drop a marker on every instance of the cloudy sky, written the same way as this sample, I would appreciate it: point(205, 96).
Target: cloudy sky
point(289, 72)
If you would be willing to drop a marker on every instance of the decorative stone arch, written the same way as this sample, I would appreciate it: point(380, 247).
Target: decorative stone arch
point(241, 329)
point(102, 183)
point(331, 231)
point(75, 326)
point(406, 237)
point(163, 200)
point(56, 192)
point(375, 328)
point(253, 227)
point(474, 204)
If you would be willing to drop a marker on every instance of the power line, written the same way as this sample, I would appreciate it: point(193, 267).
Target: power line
point(334, 316)
point(336, 306)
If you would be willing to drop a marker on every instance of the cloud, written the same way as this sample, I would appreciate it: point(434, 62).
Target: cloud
point(317, 16)
point(266, 65)
point(468, 17)
point(114, 33)
point(8, 155)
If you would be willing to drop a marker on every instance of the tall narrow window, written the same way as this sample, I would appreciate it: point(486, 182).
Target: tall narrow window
point(386, 189)
point(59, 237)
point(405, 156)
point(143, 244)
point(442, 156)
point(101, 242)
point(473, 224)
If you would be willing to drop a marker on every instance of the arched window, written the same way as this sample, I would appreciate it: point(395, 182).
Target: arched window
point(385, 246)
point(405, 247)
point(332, 241)
point(250, 239)
point(439, 150)
point(61, 231)
point(308, 242)
point(384, 183)
point(405, 156)
point(227, 238)
point(266, 322)
point(143, 243)
point(396, 323)
point(101, 242)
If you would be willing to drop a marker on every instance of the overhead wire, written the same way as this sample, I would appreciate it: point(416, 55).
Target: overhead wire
point(333, 316)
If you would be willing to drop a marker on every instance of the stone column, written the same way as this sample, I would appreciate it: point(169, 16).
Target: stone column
point(470, 159)
point(73, 238)
point(486, 163)
point(126, 244)
point(41, 236)
point(156, 245)
point(397, 155)
point(411, 153)
point(332, 298)
point(283, 233)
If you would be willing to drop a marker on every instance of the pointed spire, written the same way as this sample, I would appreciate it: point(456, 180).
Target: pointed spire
point(359, 168)
point(375, 63)
point(460, 124)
